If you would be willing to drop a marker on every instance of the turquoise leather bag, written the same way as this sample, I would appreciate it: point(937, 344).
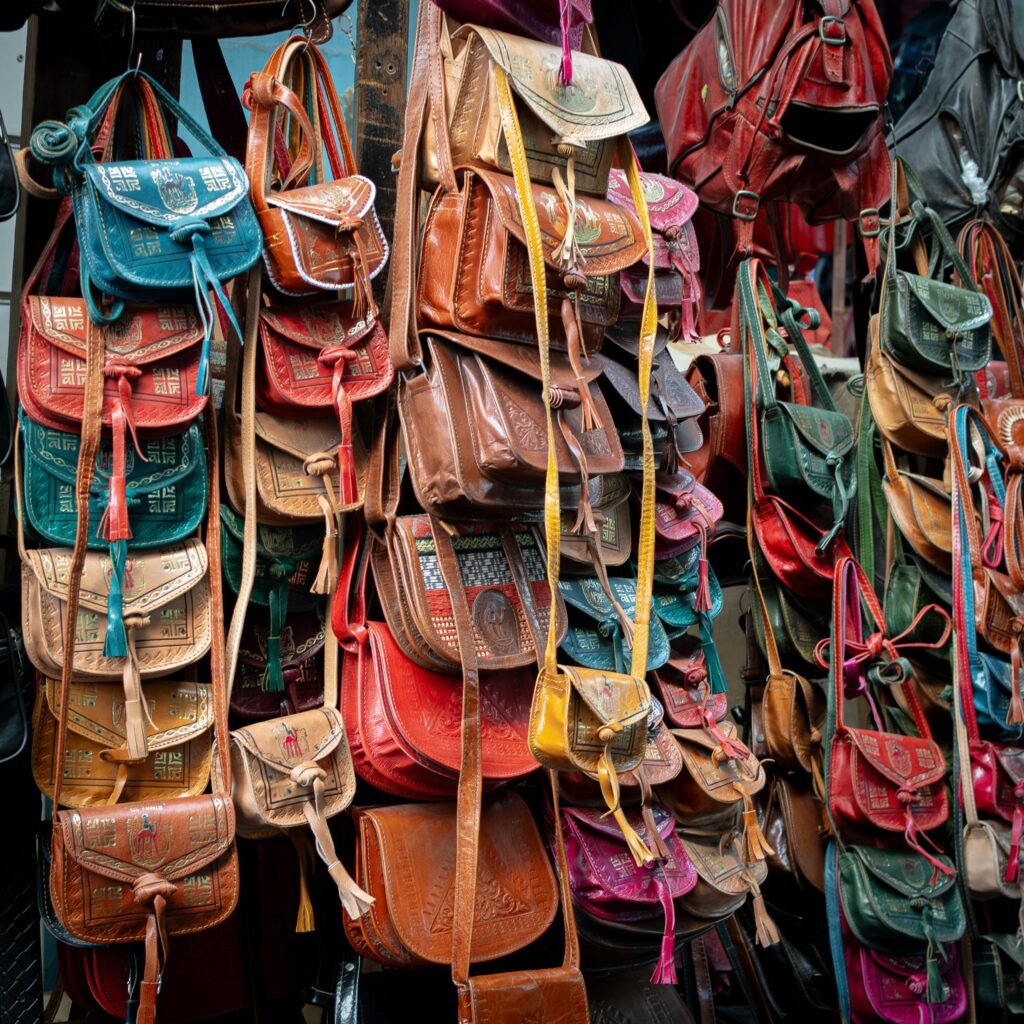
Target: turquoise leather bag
point(167, 493)
point(152, 230)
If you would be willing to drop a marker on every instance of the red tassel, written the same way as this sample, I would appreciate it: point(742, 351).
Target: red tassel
point(1015, 712)
point(348, 487)
point(114, 525)
point(1013, 860)
point(665, 968)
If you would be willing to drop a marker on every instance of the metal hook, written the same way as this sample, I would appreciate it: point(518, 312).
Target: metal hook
point(306, 26)
point(131, 46)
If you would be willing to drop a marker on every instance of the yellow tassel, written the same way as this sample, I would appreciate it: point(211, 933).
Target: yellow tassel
point(327, 575)
point(304, 920)
point(635, 844)
point(755, 845)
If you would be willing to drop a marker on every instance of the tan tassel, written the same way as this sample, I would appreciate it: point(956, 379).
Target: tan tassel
point(661, 850)
point(327, 575)
point(588, 410)
point(766, 930)
point(1015, 712)
point(609, 783)
point(304, 921)
point(755, 844)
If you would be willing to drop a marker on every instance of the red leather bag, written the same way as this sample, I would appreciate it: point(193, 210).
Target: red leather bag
point(878, 781)
point(781, 101)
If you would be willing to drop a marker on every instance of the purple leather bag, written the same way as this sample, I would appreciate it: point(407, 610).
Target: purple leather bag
point(607, 884)
point(892, 988)
point(559, 22)
point(671, 206)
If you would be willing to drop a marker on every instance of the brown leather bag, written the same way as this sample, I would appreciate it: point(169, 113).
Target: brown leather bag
point(319, 236)
point(474, 271)
point(795, 826)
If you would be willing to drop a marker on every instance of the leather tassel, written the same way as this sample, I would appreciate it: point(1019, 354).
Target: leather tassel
point(115, 643)
point(702, 598)
point(348, 486)
point(640, 853)
point(665, 968)
point(935, 992)
point(1013, 858)
point(304, 920)
point(609, 783)
point(755, 844)
point(588, 410)
point(661, 850)
point(136, 712)
point(766, 932)
point(273, 679)
point(1015, 712)
point(114, 523)
point(327, 575)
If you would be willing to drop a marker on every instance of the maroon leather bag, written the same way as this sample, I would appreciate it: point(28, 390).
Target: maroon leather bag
point(607, 884)
point(781, 101)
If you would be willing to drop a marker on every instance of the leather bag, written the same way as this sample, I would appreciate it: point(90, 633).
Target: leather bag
point(154, 229)
point(319, 234)
point(465, 123)
point(474, 271)
point(780, 103)
point(608, 885)
point(871, 773)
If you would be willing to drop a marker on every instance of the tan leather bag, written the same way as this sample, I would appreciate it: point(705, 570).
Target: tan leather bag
point(475, 275)
point(179, 745)
point(584, 119)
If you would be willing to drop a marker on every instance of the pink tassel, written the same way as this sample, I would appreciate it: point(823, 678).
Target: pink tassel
point(665, 968)
point(1013, 860)
point(114, 524)
point(702, 599)
point(564, 13)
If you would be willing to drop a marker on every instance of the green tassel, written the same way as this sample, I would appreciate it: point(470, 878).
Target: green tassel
point(273, 679)
point(936, 990)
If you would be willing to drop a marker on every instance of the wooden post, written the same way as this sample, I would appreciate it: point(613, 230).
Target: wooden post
point(383, 37)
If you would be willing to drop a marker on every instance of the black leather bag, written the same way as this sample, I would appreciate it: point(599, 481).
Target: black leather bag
point(10, 191)
point(964, 135)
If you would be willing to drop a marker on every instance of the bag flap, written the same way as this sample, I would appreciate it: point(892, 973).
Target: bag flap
point(678, 513)
point(301, 638)
point(516, 893)
point(317, 327)
point(1011, 760)
point(166, 193)
point(907, 873)
point(298, 438)
point(675, 390)
point(670, 203)
point(181, 711)
point(276, 543)
point(168, 459)
point(601, 103)
point(624, 381)
point(719, 864)
point(825, 431)
point(174, 838)
point(284, 743)
point(961, 309)
point(142, 334)
point(342, 203)
point(609, 238)
point(600, 840)
point(903, 760)
point(152, 578)
point(523, 359)
point(611, 697)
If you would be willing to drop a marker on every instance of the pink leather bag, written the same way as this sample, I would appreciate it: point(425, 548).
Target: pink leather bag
point(607, 884)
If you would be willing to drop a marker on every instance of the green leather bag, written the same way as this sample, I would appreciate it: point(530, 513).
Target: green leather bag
point(795, 629)
point(286, 568)
point(999, 973)
point(896, 901)
point(908, 589)
point(167, 489)
point(807, 450)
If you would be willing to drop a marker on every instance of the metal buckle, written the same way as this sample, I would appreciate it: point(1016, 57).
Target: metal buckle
point(831, 19)
point(869, 223)
point(745, 204)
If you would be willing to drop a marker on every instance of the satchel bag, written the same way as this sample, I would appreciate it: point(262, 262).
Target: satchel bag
point(794, 825)
point(795, 629)
point(607, 885)
point(474, 270)
point(179, 751)
point(319, 234)
point(684, 688)
point(685, 516)
point(465, 123)
point(806, 450)
point(474, 430)
point(671, 206)
point(875, 779)
point(154, 229)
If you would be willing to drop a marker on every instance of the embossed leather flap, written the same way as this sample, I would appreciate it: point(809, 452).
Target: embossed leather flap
point(268, 754)
point(903, 760)
point(601, 103)
point(162, 342)
point(123, 843)
point(496, 589)
point(607, 697)
point(516, 892)
point(285, 556)
point(892, 986)
point(725, 779)
point(167, 485)
point(684, 687)
point(164, 195)
point(673, 603)
point(609, 238)
point(908, 874)
point(670, 205)
point(824, 430)
point(424, 709)
point(298, 438)
point(614, 524)
point(305, 348)
point(684, 510)
point(342, 203)
point(1010, 760)
point(600, 854)
point(670, 389)
point(719, 864)
point(595, 637)
point(180, 711)
point(166, 604)
point(960, 309)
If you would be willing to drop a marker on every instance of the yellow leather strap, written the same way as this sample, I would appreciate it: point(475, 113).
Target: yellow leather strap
point(649, 323)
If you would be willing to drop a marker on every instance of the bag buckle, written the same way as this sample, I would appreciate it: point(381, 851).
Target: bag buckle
point(869, 223)
point(828, 40)
point(745, 204)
